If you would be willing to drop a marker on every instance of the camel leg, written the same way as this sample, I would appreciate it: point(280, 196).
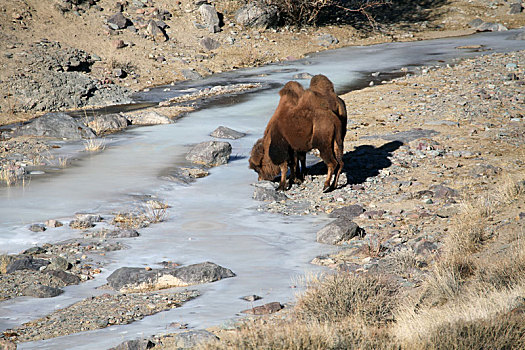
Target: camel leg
point(332, 164)
point(300, 166)
point(284, 170)
point(338, 150)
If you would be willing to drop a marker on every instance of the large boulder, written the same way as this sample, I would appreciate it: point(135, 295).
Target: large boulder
point(118, 21)
point(267, 191)
point(25, 262)
point(41, 291)
point(57, 125)
point(148, 118)
point(348, 212)
point(139, 279)
point(210, 153)
point(107, 123)
point(210, 17)
point(338, 231)
point(257, 14)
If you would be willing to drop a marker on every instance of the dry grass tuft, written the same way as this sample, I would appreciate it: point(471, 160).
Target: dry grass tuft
point(367, 299)
point(94, 145)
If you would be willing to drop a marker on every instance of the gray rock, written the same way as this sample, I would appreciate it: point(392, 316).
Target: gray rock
point(107, 123)
point(124, 233)
point(326, 40)
point(210, 153)
point(223, 132)
point(136, 344)
point(267, 191)
point(210, 44)
point(441, 191)
point(148, 118)
point(518, 36)
point(34, 250)
point(349, 212)
point(251, 297)
point(303, 76)
point(25, 262)
point(481, 26)
point(59, 264)
point(190, 339)
point(155, 32)
point(484, 170)
point(515, 8)
point(135, 279)
point(41, 291)
point(37, 227)
point(257, 14)
point(118, 21)
point(57, 125)
point(265, 309)
point(66, 277)
point(338, 231)
point(190, 74)
point(210, 17)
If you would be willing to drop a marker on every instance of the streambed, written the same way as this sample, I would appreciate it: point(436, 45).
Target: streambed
point(213, 219)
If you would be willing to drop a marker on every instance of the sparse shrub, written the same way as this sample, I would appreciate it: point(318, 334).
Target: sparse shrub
point(94, 145)
point(367, 299)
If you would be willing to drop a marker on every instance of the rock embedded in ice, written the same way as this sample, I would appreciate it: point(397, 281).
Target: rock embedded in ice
point(265, 309)
point(223, 132)
point(210, 153)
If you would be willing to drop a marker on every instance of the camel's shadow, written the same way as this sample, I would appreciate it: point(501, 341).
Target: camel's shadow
point(363, 162)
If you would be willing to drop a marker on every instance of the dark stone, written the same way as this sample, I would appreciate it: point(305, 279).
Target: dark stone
point(349, 212)
point(251, 297)
point(265, 309)
point(107, 123)
point(210, 153)
point(59, 263)
point(37, 227)
point(257, 14)
point(26, 262)
point(223, 132)
point(66, 277)
point(210, 17)
point(118, 21)
point(130, 278)
point(136, 344)
point(267, 191)
point(58, 125)
point(515, 8)
point(424, 246)
point(190, 339)
point(34, 251)
point(338, 231)
point(155, 32)
point(210, 44)
point(41, 291)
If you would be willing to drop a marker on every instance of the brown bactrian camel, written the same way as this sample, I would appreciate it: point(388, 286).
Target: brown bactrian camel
point(298, 129)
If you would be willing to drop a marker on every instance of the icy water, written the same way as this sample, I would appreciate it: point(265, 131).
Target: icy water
point(213, 219)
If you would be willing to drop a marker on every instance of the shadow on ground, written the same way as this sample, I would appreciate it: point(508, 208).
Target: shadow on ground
point(363, 162)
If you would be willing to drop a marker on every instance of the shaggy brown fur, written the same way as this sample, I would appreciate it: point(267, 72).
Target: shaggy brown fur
point(322, 86)
point(295, 130)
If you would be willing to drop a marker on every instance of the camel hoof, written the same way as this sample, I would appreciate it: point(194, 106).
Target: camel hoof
point(327, 189)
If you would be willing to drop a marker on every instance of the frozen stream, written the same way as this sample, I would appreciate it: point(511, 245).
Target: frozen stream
point(213, 219)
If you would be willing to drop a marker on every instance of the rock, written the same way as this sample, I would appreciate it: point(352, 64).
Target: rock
point(155, 32)
point(340, 230)
point(57, 125)
point(136, 344)
point(265, 309)
point(34, 251)
point(481, 26)
point(59, 263)
point(518, 36)
point(210, 153)
point(251, 298)
point(210, 17)
point(190, 74)
point(119, 73)
point(185, 175)
point(326, 40)
point(81, 224)
point(303, 76)
point(124, 233)
point(210, 44)
point(118, 21)
point(107, 123)
point(424, 246)
point(223, 132)
point(257, 14)
point(119, 44)
point(66, 277)
point(441, 191)
point(191, 339)
point(267, 191)
point(37, 227)
point(53, 223)
point(41, 291)
point(25, 262)
point(135, 279)
point(515, 8)
point(484, 170)
point(348, 212)
point(148, 118)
